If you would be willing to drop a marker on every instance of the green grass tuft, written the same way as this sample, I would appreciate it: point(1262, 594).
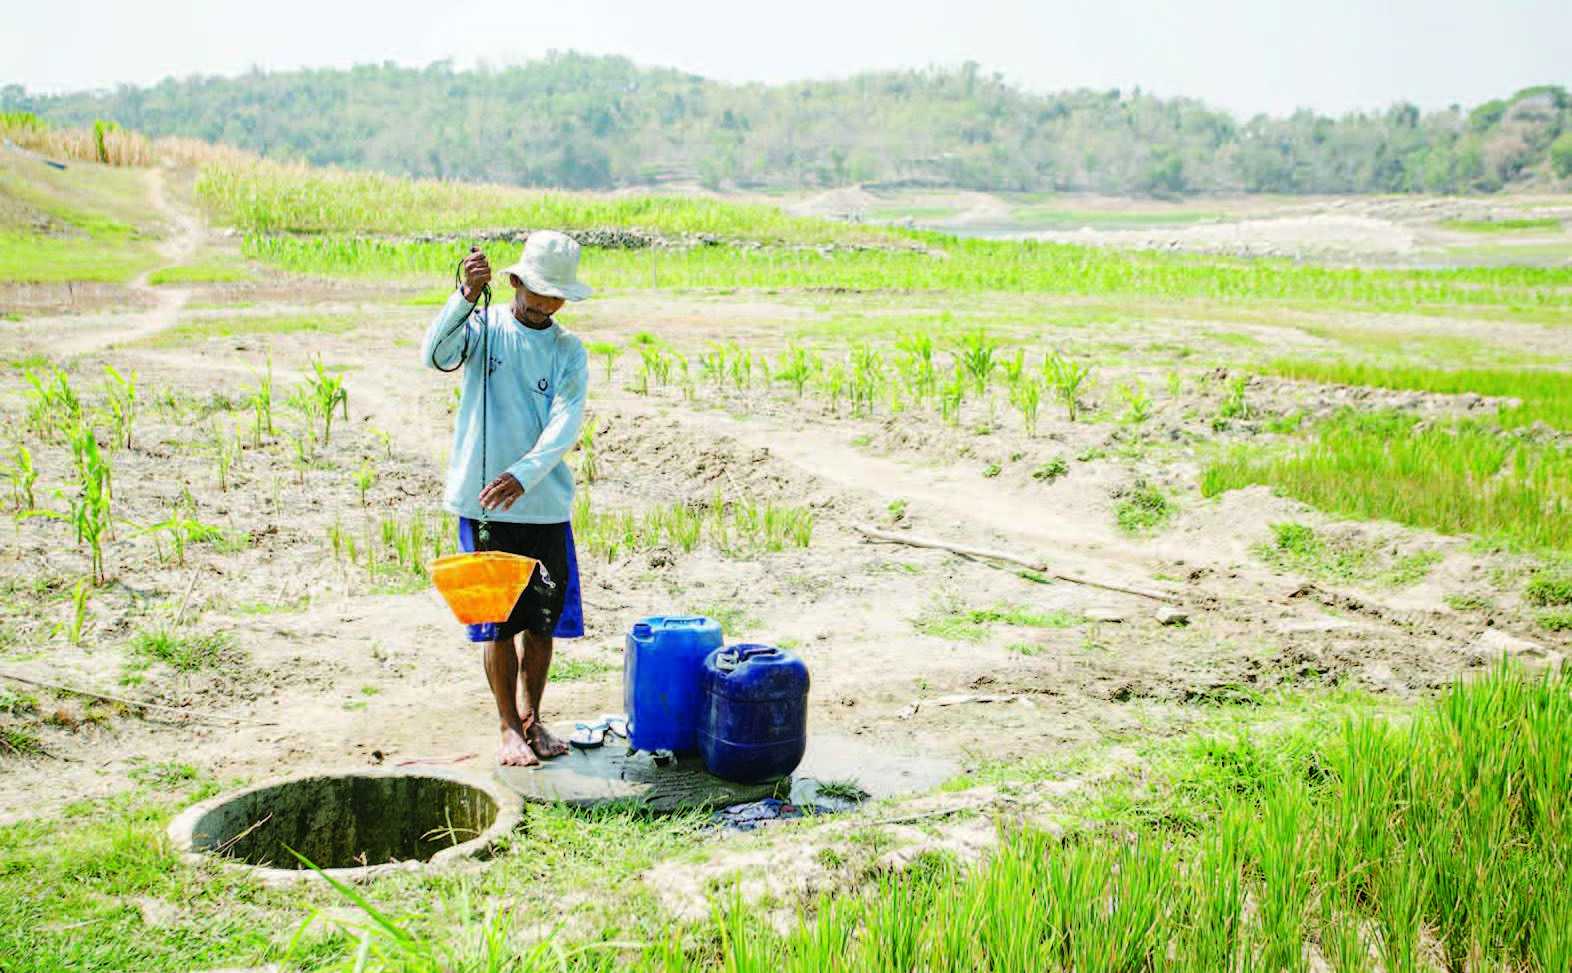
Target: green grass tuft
point(1143, 508)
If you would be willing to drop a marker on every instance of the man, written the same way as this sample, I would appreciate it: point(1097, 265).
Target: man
point(525, 380)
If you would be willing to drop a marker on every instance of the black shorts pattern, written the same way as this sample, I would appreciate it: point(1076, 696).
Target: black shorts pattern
point(540, 609)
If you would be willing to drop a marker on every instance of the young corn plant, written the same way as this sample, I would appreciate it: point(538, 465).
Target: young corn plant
point(89, 511)
point(1137, 403)
point(979, 356)
point(320, 395)
point(917, 363)
point(607, 350)
point(226, 450)
point(951, 395)
point(120, 399)
point(1026, 395)
point(74, 627)
point(262, 406)
point(712, 364)
point(795, 368)
point(1234, 405)
point(589, 469)
point(23, 475)
point(363, 478)
point(833, 383)
point(867, 377)
point(53, 410)
point(182, 530)
point(1066, 379)
point(741, 368)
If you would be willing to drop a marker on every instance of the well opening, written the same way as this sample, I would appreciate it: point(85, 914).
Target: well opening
point(345, 821)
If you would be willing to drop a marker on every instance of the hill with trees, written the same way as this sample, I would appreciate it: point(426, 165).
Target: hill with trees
point(577, 121)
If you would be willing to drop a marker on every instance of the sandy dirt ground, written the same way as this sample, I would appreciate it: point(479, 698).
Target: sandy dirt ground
point(327, 666)
point(1398, 230)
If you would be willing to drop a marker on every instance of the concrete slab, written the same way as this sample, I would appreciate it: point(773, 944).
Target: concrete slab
point(585, 778)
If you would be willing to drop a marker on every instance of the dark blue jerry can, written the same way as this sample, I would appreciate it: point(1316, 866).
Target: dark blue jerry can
point(753, 726)
point(662, 674)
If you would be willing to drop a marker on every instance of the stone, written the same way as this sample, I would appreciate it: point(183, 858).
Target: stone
point(1493, 643)
point(1168, 615)
point(1110, 615)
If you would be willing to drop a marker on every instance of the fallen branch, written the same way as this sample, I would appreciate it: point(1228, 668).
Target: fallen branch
point(978, 552)
point(194, 716)
point(911, 541)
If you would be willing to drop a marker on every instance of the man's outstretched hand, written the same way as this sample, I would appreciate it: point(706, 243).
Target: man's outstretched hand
point(477, 274)
point(501, 492)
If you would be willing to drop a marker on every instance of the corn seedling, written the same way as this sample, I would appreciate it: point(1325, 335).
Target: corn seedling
point(712, 364)
point(320, 395)
point(979, 356)
point(741, 367)
point(607, 350)
point(76, 625)
point(89, 513)
point(182, 530)
point(1066, 378)
point(951, 395)
point(833, 382)
point(304, 446)
point(23, 475)
point(1234, 405)
point(917, 362)
point(589, 470)
point(1137, 403)
point(797, 368)
point(226, 450)
point(867, 376)
point(53, 409)
point(1026, 395)
point(120, 397)
point(363, 479)
point(262, 405)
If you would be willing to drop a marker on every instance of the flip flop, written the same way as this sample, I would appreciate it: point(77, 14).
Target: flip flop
point(588, 736)
point(616, 724)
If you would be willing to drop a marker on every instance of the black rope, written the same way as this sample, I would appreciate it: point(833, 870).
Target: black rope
point(483, 535)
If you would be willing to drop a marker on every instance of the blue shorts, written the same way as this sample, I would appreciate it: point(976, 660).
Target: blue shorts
point(551, 603)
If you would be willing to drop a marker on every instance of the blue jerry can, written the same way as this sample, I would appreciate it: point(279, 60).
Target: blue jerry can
point(661, 680)
point(753, 726)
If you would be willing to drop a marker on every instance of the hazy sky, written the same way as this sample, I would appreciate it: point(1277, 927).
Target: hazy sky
point(1265, 55)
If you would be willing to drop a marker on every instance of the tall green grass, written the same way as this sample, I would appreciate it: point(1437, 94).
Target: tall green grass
point(1460, 479)
point(1368, 845)
point(267, 197)
point(966, 265)
point(1545, 395)
point(1547, 223)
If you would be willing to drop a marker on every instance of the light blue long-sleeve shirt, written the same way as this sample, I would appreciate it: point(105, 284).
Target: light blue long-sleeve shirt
point(534, 411)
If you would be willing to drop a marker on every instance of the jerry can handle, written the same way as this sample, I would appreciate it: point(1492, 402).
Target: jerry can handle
point(736, 655)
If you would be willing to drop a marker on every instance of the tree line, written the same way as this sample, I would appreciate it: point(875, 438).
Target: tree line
point(589, 122)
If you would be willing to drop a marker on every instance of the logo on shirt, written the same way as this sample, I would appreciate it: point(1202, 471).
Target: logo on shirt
point(541, 386)
point(493, 362)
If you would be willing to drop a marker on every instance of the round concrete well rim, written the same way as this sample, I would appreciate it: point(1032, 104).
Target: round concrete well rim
point(510, 811)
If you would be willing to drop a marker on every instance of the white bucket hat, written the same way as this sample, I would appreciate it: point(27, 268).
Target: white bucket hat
point(550, 266)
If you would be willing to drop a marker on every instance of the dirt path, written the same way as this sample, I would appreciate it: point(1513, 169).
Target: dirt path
point(189, 233)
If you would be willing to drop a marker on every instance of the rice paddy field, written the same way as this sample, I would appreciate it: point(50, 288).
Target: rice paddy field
point(1308, 714)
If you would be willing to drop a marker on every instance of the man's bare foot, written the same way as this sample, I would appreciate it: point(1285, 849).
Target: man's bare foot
point(543, 742)
point(514, 751)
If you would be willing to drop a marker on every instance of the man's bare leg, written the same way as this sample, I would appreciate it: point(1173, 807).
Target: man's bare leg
point(537, 664)
point(502, 673)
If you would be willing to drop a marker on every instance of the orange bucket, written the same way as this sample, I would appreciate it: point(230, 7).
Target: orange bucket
point(483, 586)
